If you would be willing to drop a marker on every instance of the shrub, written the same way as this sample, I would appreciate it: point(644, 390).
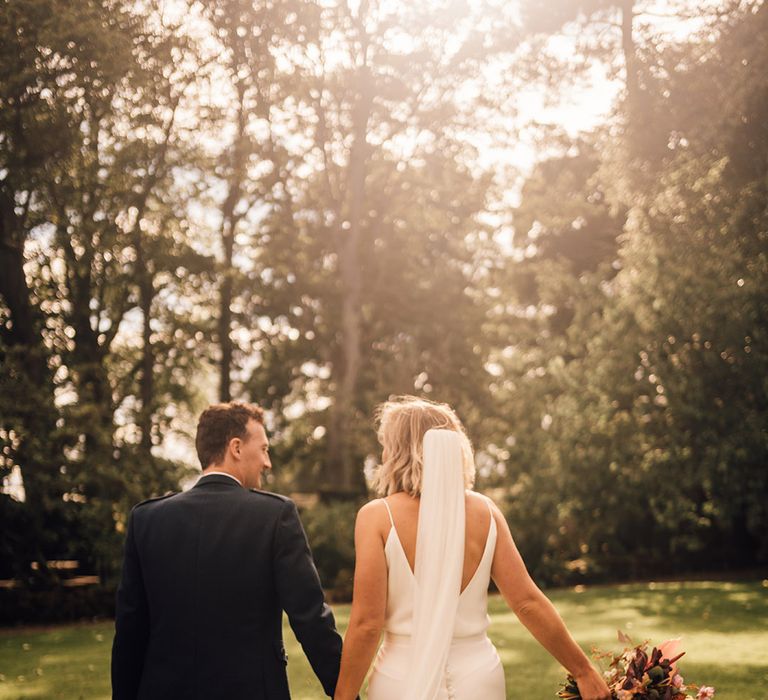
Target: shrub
point(331, 532)
point(23, 606)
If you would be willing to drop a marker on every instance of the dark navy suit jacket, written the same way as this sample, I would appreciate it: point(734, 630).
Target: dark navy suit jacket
point(206, 577)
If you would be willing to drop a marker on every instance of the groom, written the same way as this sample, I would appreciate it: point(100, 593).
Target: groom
point(207, 574)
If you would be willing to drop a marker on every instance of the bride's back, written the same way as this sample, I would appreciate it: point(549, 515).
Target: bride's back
point(405, 513)
point(457, 660)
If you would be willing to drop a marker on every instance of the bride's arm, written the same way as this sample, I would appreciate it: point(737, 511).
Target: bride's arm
point(538, 614)
point(369, 602)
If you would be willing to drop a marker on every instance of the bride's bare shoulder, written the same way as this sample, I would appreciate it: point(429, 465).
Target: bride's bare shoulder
point(481, 502)
point(372, 521)
point(374, 513)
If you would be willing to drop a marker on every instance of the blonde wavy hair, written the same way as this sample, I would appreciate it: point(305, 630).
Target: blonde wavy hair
point(401, 424)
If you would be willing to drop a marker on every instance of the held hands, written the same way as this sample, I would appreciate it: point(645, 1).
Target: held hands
point(592, 686)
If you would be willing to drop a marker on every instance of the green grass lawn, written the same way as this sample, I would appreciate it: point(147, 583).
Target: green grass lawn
point(724, 628)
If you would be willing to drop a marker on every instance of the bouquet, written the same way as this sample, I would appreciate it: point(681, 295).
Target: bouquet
point(637, 675)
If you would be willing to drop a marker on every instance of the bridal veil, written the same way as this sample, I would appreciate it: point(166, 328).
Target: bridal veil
point(439, 561)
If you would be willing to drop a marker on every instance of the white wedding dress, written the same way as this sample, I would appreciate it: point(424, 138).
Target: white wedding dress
point(435, 644)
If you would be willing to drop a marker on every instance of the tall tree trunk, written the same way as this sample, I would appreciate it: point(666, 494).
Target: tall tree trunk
point(147, 380)
point(350, 479)
point(103, 483)
point(35, 417)
point(229, 221)
point(15, 293)
point(630, 60)
point(94, 389)
point(95, 402)
point(225, 319)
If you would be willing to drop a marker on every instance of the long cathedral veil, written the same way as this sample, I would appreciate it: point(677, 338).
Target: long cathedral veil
point(439, 562)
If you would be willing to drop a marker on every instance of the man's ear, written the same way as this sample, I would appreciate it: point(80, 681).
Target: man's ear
point(234, 446)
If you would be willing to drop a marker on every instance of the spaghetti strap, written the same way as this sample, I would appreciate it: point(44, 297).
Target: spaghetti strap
point(391, 519)
point(492, 526)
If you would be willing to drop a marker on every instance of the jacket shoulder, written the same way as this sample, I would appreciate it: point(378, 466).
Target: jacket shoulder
point(271, 494)
point(154, 499)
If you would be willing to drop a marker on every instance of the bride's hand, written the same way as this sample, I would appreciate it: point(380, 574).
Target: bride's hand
point(592, 686)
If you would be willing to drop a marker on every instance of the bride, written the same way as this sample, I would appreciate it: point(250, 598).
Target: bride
point(425, 554)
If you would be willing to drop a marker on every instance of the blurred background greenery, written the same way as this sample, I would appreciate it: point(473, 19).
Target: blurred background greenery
point(550, 215)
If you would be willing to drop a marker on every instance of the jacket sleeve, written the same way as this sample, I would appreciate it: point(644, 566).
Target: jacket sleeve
point(131, 624)
point(301, 596)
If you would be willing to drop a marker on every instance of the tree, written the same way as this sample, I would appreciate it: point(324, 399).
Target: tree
point(254, 73)
point(382, 163)
point(628, 380)
point(34, 130)
point(105, 78)
point(698, 244)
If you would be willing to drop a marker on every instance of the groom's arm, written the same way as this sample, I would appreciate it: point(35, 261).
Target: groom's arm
point(301, 596)
point(131, 624)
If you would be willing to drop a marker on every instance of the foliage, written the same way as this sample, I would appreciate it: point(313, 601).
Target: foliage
point(19, 606)
point(646, 389)
point(294, 204)
point(328, 527)
point(100, 77)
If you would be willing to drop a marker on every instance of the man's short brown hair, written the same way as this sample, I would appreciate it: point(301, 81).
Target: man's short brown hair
point(220, 423)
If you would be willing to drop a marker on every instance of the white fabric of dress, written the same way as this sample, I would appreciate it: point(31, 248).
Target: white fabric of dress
point(472, 669)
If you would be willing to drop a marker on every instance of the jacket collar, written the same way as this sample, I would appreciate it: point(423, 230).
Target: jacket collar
point(223, 479)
